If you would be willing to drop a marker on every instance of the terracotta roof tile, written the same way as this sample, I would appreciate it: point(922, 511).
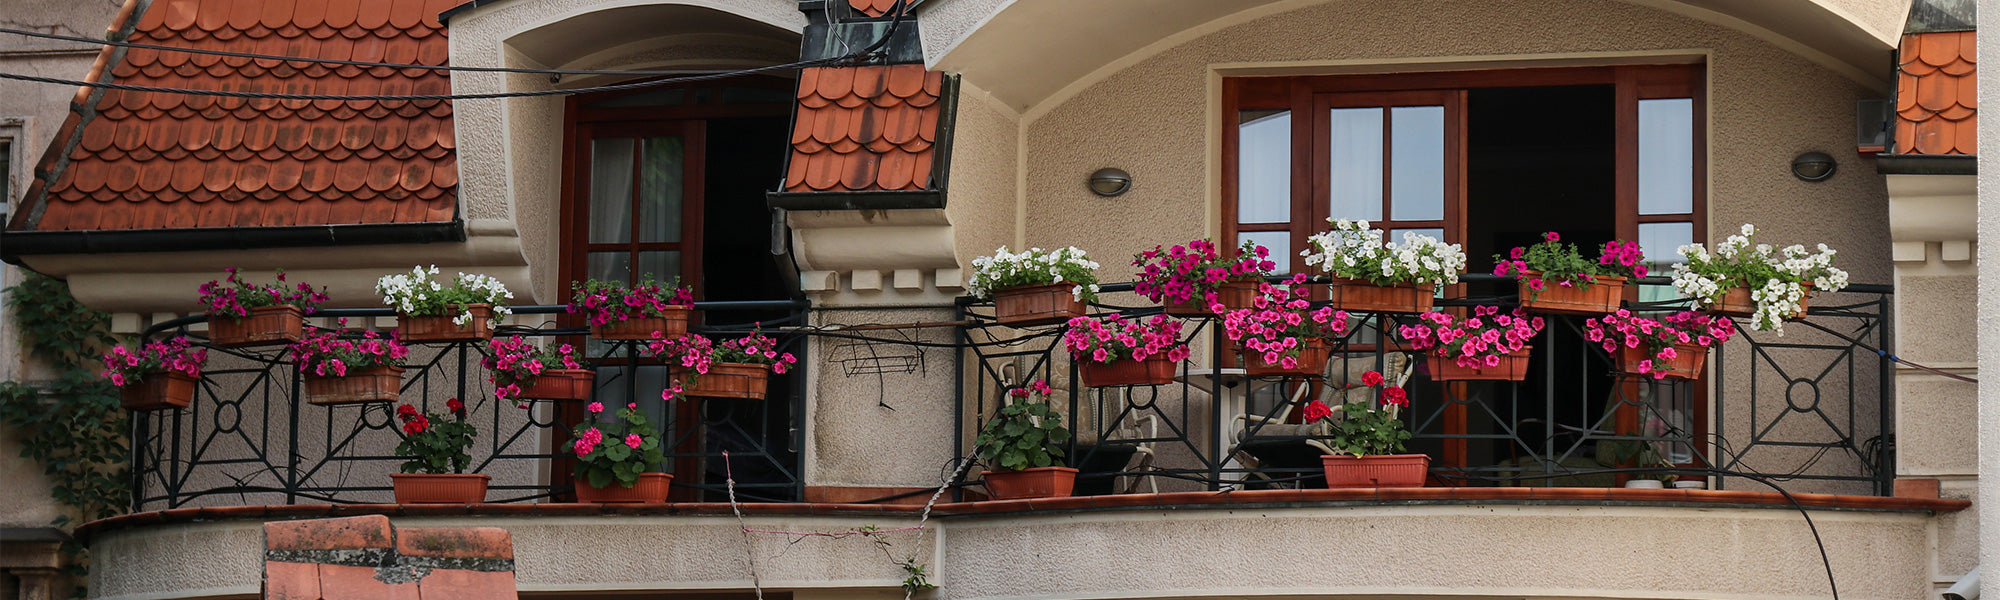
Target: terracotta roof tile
point(864, 128)
point(873, 8)
point(169, 157)
point(1937, 105)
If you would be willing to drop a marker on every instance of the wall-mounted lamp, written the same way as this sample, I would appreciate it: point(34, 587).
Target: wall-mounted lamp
point(1110, 181)
point(1813, 166)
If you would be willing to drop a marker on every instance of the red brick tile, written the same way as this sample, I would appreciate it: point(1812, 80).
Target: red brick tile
point(342, 582)
point(366, 531)
point(456, 584)
point(455, 542)
point(1936, 93)
point(291, 581)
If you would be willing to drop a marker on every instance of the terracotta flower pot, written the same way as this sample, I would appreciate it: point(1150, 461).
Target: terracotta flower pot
point(1387, 470)
point(266, 326)
point(1512, 367)
point(1234, 295)
point(730, 380)
point(374, 384)
point(1736, 302)
point(672, 323)
point(1037, 305)
point(1600, 298)
point(1312, 359)
point(561, 384)
point(440, 328)
point(652, 489)
point(1687, 362)
point(448, 488)
point(1357, 295)
point(158, 390)
point(1155, 370)
point(1039, 482)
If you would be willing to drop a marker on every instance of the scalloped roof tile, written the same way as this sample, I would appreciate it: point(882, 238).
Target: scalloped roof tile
point(145, 160)
point(1937, 94)
point(864, 128)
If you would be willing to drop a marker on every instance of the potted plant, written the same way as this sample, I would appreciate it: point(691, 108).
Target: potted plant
point(1035, 287)
point(1368, 441)
point(428, 311)
point(1371, 275)
point(241, 313)
point(1556, 278)
point(522, 369)
point(735, 368)
point(1673, 346)
point(160, 375)
point(344, 369)
point(1023, 444)
point(1486, 346)
point(1742, 278)
point(436, 446)
point(1192, 279)
point(1118, 351)
point(1281, 334)
point(618, 457)
point(617, 312)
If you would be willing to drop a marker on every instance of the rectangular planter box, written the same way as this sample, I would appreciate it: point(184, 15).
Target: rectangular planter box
point(1357, 295)
point(1155, 370)
point(1037, 305)
point(360, 386)
point(1600, 298)
point(266, 326)
point(561, 384)
point(1687, 363)
point(1513, 367)
point(159, 390)
point(1039, 482)
point(652, 488)
point(672, 324)
point(411, 330)
point(1312, 360)
point(450, 488)
point(730, 380)
point(1736, 302)
point(1392, 470)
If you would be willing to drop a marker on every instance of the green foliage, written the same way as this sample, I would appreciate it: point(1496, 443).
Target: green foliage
point(438, 447)
point(1365, 432)
point(1026, 434)
point(604, 457)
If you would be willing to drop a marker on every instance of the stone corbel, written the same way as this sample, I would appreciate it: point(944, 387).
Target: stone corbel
point(875, 257)
point(1932, 211)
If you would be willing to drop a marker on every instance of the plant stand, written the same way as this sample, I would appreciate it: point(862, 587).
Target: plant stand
point(1390, 470)
point(440, 328)
point(1155, 370)
point(448, 488)
point(360, 386)
point(1600, 298)
point(266, 326)
point(1312, 358)
point(651, 489)
point(1039, 482)
point(1234, 295)
point(1037, 305)
point(672, 323)
point(159, 390)
point(1512, 367)
point(1687, 362)
point(1355, 295)
point(729, 380)
point(1736, 302)
point(561, 384)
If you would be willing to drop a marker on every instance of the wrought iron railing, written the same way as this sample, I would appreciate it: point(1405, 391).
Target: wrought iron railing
point(249, 439)
point(1811, 408)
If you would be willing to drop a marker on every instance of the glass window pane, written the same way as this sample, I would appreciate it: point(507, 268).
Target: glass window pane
point(611, 190)
point(1357, 164)
point(610, 266)
point(663, 265)
point(1264, 166)
point(1416, 163)
point(1661, 242)
point(1280, 243)
point(1666, 156)
point(660, 190)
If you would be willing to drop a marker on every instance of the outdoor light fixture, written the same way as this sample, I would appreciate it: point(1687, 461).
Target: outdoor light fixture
point(1109, 181)
point(1813, 166)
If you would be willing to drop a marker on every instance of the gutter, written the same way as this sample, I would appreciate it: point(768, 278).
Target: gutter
point(17, 244)
point(1926, 164)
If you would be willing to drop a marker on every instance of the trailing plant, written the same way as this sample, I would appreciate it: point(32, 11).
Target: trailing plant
point(1353, 250)
point(1193, 271)
point(608, 302)
point(1034, 267)
point(617, 448)
point(696, 353)
point(327, 353)
point(1658, 336)
point(435, 444)
point(418, 294)
point(1114, 338)
point(232, 296)
point(1282, 323)
point(1363, 430)
point(1561, 264)
point(517, 362)
point(1475, 342)
point(1776, 277)
point(1026, 434)
point(172, 355)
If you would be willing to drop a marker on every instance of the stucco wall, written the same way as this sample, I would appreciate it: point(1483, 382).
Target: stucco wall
point(984, 166)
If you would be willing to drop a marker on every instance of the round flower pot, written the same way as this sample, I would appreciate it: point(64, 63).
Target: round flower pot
point(1512, 367)
point(1234, 295)
point(1355, 295)
point(360, 386)
point(651, 488)
point(1736, 302)
point(441, 328)
point(1600, 298)
point(1386, 470)
point(1311, 360)
point(1037, 305)
point(1155, 370)
point(1686, 364)
point(158, 390)
point(266, 326)
point(561, 384)
point(672, 323)
point(1645, 484)
point(730, 380)
point(1039, 482)
point(448, 488)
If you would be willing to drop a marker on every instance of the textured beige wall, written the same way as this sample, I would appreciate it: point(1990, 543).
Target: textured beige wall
point(1988, 310)
point(889, 430)
point(985, 158)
